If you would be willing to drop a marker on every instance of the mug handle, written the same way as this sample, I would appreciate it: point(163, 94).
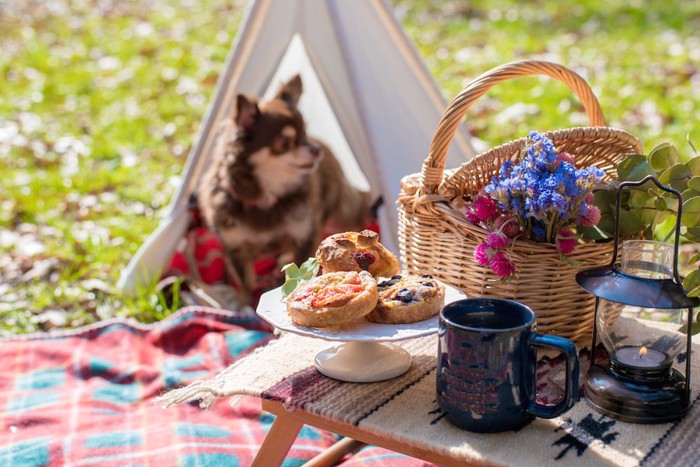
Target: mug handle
point(568, 348)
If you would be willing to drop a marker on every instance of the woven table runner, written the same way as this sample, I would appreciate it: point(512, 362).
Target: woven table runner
point(283, 371)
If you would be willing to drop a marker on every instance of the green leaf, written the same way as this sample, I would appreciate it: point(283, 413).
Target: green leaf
point(605, 200)
point(660, 203)
point(691, 213)
point(630, 223)
point(694, 165)
point(664, 225)
point(289, 286)
point(691, 283)
point(694, 328)
point(290, 270)
point(695, 258)
point(663, 156)
point(692, 234)
point(690, 193)
point(694, 182)
point(309, 269)
point(640, 199)
point(643, 204)
point(676, 177)
point(295, 275)
point(634, 168)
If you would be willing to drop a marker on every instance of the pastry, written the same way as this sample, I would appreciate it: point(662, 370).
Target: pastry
point(353, 251)
point(407, 299)
point(332, 299)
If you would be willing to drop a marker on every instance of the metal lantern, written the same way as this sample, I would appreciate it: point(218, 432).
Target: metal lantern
point(638, 383)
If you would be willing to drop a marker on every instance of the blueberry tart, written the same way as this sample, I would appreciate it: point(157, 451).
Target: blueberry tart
point(405, 298)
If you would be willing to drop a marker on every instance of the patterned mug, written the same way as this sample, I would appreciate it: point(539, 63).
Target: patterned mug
point(487, 361)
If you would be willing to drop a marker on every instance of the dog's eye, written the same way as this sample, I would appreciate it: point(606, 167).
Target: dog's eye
point(281, 144)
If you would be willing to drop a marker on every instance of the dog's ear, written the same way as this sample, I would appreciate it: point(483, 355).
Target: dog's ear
point(246, 112)
point(290, 92)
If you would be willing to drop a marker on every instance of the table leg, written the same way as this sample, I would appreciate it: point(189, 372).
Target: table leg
point(335, 453)
point(279, 439)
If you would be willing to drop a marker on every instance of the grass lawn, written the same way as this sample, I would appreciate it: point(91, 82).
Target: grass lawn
point(101, 102)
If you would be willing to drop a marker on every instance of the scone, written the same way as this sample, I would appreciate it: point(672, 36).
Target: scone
point(353, 251)
point(407, 299)
point(333, 299)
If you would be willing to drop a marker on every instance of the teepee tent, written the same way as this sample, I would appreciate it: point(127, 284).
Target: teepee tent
point(367, 95)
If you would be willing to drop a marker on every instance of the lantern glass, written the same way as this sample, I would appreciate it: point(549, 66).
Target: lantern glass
point(619, 326)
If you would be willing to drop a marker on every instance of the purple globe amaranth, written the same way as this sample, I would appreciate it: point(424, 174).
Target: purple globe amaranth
point(501, 265)
point(482, 254)
point(497, 240)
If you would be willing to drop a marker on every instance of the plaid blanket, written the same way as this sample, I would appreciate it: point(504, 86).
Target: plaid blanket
point(84, 397)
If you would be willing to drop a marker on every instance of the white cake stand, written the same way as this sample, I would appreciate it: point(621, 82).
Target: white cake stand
point(365, 353)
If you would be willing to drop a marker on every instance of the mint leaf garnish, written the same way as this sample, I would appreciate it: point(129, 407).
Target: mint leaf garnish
point(295, 275)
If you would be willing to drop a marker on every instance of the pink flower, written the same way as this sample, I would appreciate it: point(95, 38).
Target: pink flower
point(508, 225)
point(591, 218)
point(502, 265)
point(566, 241)
point(472, 217)
point(482, 254)
point(484, 208)
point(497, 240)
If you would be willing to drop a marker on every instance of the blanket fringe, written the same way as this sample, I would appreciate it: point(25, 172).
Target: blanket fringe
point(203, 391)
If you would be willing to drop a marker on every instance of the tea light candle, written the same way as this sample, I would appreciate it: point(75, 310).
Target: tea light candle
point(640, 357)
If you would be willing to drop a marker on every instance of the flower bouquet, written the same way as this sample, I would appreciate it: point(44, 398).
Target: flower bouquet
point(542, 197)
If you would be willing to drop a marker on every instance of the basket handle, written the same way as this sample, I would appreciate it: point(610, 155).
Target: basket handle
point(434, 165)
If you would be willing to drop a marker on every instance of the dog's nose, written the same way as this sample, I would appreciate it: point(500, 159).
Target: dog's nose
point(315, 150)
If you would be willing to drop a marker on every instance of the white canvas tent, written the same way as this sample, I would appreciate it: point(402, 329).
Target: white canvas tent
point(367, 94)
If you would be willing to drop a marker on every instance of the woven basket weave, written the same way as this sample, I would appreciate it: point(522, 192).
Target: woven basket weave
point(435, 236)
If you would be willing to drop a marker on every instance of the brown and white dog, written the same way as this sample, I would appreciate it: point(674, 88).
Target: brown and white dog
point(271, 190)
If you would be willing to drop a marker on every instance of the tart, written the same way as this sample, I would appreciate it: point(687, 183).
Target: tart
point(333, 299)
point(407, 298)
point(357, 251)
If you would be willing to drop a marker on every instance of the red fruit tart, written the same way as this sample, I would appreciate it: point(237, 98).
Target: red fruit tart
point(333, 299)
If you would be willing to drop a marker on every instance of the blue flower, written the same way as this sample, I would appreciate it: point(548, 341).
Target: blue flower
point(560, 203)
point(505, 169)
point(541, 190)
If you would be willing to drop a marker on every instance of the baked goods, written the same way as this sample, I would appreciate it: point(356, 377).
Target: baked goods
point(407, 299)
point(353, 251)
point(332, 299)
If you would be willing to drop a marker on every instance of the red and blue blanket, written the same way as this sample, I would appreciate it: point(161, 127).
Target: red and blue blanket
point(84, 397)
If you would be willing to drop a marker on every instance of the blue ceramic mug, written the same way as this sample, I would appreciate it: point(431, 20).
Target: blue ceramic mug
point(487, 361)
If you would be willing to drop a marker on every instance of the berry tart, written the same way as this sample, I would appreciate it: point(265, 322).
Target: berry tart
point(333, 299)
point(407, 298)
point(357, 251)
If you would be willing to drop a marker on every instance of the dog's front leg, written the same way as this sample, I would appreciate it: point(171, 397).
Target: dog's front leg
point(239, 266)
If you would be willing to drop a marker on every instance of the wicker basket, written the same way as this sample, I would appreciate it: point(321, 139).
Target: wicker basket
point(435, 236)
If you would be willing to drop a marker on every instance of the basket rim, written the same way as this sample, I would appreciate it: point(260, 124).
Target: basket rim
point(513, 147)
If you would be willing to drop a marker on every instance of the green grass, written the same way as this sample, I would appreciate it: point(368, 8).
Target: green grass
point(98, 111)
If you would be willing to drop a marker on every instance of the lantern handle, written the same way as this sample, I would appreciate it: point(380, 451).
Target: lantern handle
point(618, 203)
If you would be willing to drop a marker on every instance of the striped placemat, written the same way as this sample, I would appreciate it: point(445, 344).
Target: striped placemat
point(405, 408)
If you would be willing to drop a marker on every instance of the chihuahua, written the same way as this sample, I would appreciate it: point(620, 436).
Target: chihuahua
point(271, 190)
